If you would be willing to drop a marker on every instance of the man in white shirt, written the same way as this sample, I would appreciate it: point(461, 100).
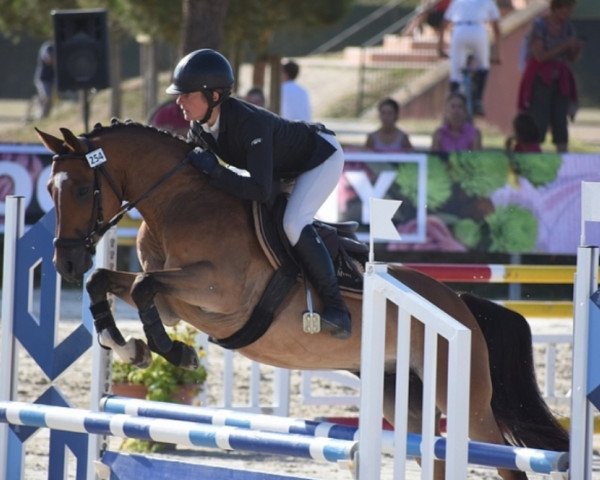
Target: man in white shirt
point(470, 36)
point(295, 102)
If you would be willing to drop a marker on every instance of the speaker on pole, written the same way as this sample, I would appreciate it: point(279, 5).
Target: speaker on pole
point(81, 49)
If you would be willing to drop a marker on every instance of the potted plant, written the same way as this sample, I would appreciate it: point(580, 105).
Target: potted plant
point(161, 381)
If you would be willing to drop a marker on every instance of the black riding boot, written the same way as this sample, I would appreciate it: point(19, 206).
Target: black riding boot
point(319, 269)
point(479, 81)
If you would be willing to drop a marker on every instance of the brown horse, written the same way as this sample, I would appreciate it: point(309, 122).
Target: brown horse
point(203, 263)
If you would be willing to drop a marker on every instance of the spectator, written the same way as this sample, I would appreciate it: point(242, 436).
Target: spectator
point(388, 137)
point(470, 36)
point(526, 135)
point(548, 90)
point(168, 116)
point(457, 132)
point(430, 12)
point(43, 77)
point(295, 101)
point(255, 96)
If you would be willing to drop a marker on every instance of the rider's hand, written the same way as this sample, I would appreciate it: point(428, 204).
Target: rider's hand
point(203, 160)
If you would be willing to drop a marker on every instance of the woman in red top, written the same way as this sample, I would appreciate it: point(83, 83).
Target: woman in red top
point(548, 91)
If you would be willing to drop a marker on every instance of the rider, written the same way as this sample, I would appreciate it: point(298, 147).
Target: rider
point(269, 148)
point(469, 34)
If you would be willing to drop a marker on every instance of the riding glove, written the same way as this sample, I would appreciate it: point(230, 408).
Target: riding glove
point(203, 160)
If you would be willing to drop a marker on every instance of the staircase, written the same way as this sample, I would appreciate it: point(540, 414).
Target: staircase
point(423, 97)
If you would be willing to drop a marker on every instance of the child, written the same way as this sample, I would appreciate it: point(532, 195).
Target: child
point(526, 135)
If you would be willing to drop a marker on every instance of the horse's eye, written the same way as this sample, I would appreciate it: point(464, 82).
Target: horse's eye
point(83, 191)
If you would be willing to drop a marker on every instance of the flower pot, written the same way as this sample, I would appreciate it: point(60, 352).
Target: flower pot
point(132, 390)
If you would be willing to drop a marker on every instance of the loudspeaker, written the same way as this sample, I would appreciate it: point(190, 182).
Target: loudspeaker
point(81, 48)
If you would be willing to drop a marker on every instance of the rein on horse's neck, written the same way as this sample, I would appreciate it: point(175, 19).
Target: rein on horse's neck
point(130, 205)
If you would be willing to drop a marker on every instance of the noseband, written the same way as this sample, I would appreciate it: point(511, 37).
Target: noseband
point(97, 227)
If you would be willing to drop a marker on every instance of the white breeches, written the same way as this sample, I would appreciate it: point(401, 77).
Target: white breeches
point(310, 191)
point(468, 39)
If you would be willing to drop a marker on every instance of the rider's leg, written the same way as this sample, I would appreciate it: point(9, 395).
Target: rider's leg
point(310, 191)
point(457, 53)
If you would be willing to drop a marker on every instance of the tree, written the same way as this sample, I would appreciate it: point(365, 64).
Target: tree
point(251, 25)
point(203, 22)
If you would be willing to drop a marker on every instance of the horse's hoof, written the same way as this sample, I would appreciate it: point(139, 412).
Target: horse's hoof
point(189, 358)
point(143, 356)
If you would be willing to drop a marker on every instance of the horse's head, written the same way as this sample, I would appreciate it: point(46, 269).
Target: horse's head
point(74, 186)
point(94, 174)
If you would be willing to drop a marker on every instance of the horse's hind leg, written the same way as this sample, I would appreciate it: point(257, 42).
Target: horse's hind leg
point(415, 411)
point(99, 284)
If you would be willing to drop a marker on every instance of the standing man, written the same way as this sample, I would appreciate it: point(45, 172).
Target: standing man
point(470, 37)
point(43, 77)
point(295, 101)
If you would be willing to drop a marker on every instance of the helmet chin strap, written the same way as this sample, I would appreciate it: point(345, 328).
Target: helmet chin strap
point(211, 104)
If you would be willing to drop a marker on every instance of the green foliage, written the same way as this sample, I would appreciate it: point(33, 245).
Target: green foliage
point(512, 229)
point(439, 185)
point(467, 232)
point(30, 17)
point(157, 18)
point(479, 173)
point(251, 24)
point(539, 169)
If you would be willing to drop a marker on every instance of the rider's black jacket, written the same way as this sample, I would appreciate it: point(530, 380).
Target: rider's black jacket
point(267, 146)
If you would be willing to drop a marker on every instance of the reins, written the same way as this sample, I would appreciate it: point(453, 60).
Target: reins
point(98, 226)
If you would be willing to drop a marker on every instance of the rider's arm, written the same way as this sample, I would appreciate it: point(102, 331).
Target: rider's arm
point(257, 142)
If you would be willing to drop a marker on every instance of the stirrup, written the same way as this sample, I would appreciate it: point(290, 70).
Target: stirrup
point(311, 320)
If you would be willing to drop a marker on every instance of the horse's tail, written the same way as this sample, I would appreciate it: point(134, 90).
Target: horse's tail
point(522, 414)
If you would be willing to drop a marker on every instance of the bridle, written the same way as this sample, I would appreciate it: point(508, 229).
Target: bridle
point(97, 227)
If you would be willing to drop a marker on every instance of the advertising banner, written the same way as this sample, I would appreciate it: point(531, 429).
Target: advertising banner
point(484, 201)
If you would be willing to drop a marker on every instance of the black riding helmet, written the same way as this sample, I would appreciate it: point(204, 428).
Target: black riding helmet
point(205, 71)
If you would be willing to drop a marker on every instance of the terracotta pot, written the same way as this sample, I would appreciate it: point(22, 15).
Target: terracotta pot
point(132, 390)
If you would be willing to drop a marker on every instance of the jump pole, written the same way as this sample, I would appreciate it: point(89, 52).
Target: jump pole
point(525, 459)
point(178, 432)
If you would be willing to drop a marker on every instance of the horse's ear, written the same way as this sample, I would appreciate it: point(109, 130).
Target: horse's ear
point(52, 143)
point(72, 141)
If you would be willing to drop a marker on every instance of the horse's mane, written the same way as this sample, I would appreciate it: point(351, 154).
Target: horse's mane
point(117, 124)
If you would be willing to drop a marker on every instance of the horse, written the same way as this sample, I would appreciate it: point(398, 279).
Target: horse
point(202, 263)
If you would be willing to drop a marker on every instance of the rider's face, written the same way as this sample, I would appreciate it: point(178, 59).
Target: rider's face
point(193, 105)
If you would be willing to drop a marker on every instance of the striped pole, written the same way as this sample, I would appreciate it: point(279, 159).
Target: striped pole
point(496, 273)
point(176, 431)
point(516, 458)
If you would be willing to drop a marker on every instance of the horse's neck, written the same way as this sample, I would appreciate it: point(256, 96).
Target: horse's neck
point(152, 176)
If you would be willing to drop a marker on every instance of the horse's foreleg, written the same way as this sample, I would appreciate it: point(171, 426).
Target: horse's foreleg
point(100, 283)
point(143, 290)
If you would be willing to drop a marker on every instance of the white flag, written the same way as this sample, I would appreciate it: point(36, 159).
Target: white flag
point(382, 212)
point(590, 201)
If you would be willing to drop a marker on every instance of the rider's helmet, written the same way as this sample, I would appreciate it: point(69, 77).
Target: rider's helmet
point(204, 71)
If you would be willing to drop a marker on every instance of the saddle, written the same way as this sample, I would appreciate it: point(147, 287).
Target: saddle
point(348, 254)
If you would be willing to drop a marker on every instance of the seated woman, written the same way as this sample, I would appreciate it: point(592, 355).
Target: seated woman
point(457, 132)
point(388, 137)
